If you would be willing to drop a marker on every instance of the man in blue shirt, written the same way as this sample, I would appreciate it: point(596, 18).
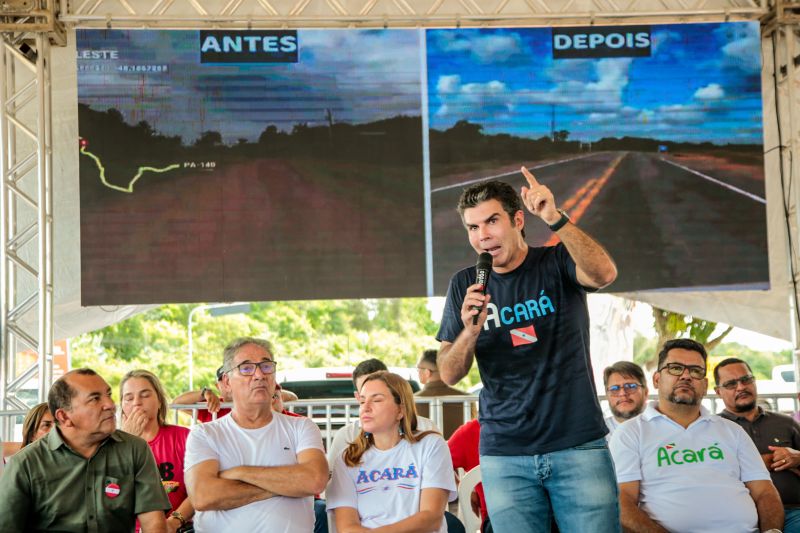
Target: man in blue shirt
point(542, 448)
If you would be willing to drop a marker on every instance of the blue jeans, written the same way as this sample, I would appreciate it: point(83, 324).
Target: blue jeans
point(577, 486)
point(320, 516)
point(791, 521)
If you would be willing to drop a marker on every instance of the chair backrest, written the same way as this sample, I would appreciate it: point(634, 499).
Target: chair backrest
point(472, 522)
point(331, 522)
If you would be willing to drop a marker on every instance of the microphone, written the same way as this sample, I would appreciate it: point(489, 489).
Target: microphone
point(482, 269)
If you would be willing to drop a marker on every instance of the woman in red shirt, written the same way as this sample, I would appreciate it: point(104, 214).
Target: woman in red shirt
point(144, 413)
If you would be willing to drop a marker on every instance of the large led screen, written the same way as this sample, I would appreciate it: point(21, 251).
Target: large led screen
point(221, 166)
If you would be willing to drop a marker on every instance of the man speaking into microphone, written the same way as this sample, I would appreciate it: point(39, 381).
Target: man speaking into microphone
point(542, 449)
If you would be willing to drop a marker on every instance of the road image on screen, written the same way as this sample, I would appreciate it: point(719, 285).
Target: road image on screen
point(650, 137)
point(265, 165)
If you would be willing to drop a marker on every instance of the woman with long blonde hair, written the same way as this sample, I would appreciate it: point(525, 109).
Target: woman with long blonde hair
point(144, 413)
point(391, 477)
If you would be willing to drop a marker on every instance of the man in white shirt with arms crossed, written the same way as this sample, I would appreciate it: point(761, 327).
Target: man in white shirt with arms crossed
point(255, 468)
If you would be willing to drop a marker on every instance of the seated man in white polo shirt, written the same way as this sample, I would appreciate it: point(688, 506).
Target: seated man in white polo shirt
point(679, 468)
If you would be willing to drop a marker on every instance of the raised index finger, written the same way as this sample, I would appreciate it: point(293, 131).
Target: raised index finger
point(528, 176)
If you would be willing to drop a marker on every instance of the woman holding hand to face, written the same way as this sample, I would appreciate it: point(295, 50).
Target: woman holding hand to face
point(144, 412)
point(392, 479)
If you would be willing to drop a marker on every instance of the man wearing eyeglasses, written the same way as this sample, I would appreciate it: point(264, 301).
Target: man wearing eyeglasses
point(777, 436)
point(626, 391)
point(254, 470)
point(680, 468)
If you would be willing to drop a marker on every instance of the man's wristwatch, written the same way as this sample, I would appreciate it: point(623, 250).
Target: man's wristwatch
point(203, 393)
point(561, 221)
point(179, 517)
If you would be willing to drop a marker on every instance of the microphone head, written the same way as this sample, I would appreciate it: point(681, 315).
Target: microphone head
point(483, 268)
point(484, 261)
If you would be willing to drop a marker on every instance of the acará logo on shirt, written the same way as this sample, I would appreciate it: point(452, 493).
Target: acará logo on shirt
point(389, 474)
point(669, 455)
point(521, 312)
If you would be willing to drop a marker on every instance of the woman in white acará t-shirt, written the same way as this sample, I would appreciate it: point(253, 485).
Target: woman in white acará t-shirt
point(392, 479)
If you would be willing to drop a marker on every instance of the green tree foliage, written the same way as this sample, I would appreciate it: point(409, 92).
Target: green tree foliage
point(761, 362)
point(669, 325)
point(306, 334)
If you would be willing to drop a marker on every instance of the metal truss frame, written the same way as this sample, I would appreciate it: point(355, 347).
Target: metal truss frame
point(247, 14)
point(26, 236)
point(781, 42)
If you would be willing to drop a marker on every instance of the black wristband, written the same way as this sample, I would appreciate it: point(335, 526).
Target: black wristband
point(561, 221)
point(203, 393)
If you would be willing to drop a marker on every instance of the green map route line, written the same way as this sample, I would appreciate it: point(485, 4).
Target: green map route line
point(139, 173)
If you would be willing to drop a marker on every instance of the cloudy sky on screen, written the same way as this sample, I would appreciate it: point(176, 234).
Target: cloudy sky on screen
point(701, 83)
point(359, 75)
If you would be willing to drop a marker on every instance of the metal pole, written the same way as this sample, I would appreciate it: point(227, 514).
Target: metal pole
point(191, 347)
point(44, 349)
point(5, 203)
point(790, 37)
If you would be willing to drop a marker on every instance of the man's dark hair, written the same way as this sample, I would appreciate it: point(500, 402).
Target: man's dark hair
point(683, 344)
point(726, 362)
point(626, 369)
point(491, 190)
point(220, 373)
point(367, 367)
point(429, 356)
point(61, 394)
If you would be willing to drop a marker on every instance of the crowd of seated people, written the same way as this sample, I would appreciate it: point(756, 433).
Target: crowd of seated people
point(259, 467)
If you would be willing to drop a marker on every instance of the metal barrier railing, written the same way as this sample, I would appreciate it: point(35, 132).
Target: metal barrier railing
point(332, 414)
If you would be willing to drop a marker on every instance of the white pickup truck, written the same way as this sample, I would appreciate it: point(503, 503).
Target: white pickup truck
point(782, 382)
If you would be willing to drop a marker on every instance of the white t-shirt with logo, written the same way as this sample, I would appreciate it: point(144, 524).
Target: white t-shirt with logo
point(276, 444)
point(690, 479)
point(386, 487)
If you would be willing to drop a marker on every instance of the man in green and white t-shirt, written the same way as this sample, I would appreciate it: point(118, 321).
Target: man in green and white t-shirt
point(679, 468)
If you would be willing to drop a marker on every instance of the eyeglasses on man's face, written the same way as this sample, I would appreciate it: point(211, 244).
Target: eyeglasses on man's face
point(744, 380)
point(616, 390)
point(677, 369)
point(249, 369)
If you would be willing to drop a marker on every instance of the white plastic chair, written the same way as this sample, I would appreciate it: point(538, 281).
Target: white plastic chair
point(331, 523)
point(472, 522)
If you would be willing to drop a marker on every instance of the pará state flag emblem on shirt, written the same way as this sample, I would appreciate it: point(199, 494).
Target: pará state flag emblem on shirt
point(520, 336)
